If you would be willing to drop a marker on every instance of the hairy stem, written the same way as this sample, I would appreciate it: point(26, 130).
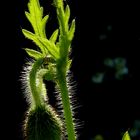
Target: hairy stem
point(61, 66)
point(32, 81)
point(62, 84)
point(66, 104)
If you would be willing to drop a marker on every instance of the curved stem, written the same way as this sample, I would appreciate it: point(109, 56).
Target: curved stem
point(32, 81)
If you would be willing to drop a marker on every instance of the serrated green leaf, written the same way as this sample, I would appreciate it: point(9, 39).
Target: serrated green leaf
point(34, 38)
point(35, 54)
point(36, 13)
point(32, 16)
point(37, 3)
point(67, 16)
point(28, 16)
point(43, 25)
point(28, 34)
point(31, 20)
point(30, 7)
point(54, 36)
point(126, 136)
point(44, 20)
point(41, 10)
point(72, 30)
point(35, 7)
point(58, 3)
point(52, 49)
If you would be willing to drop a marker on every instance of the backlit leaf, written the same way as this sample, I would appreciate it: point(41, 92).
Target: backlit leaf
point(35, 54)
point(126, 136)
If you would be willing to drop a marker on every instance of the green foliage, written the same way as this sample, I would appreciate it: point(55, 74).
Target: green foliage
point(54, 36)
point(35, 39)
point(50, 46)
point(72, 30)
point(51, 62)
point(38, 22)
point(126, 136)
point(35, 16)
point(35, 54)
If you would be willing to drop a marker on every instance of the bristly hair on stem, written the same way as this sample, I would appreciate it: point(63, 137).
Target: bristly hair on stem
point(52, 59)
point(51, 62)
point(42, 122)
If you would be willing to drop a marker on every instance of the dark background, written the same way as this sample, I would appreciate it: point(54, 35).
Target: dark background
point(111, 107)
